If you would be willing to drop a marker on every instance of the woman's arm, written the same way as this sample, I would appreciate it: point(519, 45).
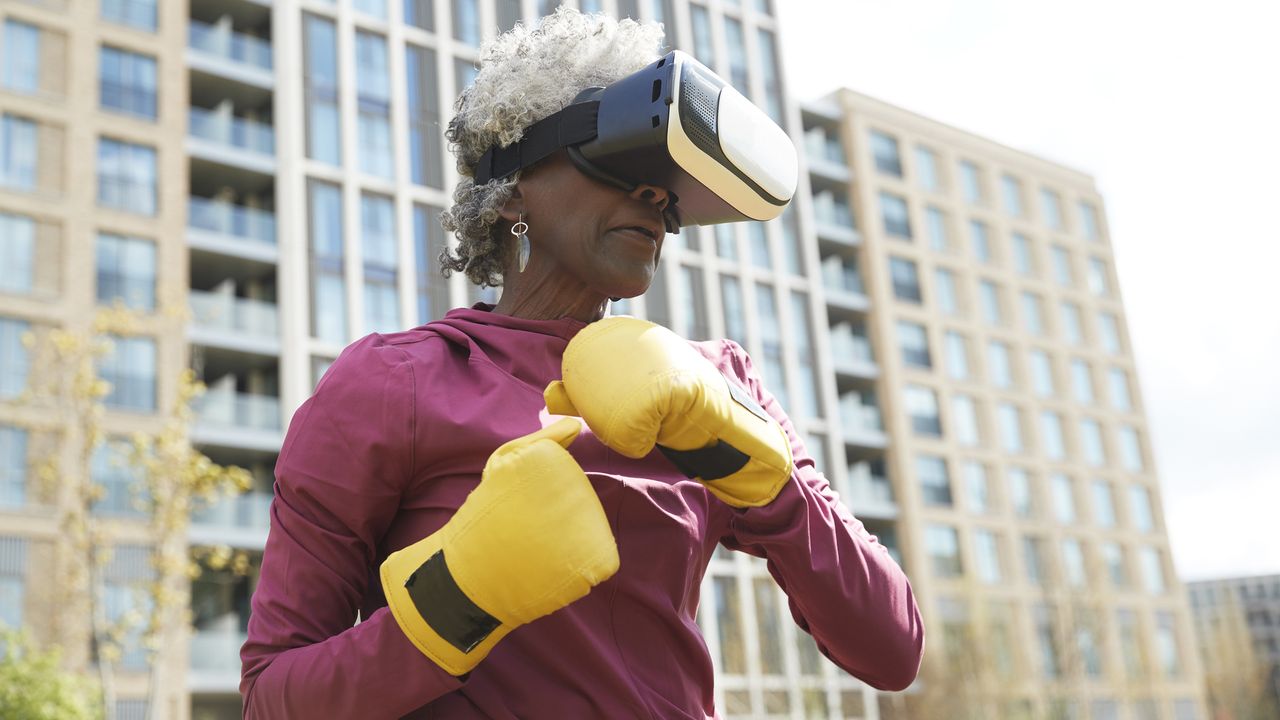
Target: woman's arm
point(346, 458)
point(843, 586)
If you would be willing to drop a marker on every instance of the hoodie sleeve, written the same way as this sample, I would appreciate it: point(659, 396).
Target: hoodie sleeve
point(347, 456)
point(841, 583)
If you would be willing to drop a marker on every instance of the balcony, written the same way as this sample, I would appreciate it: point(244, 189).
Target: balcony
point(860, 418)
point(219, 136)
point(215, 660)
point(833, 219)
point(228, 229)
point(851, 352)
point(870, 494)
point(239, 520)
point(825, 155)
point(239, 420)
point(842, 283)
point(224, 320)
point(218, 49)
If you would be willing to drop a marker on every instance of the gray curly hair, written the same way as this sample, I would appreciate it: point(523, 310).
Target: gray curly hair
point(525, 75)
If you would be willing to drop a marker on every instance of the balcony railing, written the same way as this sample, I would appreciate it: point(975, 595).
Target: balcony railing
point(829, 211)
point(842, 276)
point(228, 44)
point(239, 410)
point(249, 511)
point(869, 488)
point(232, 131)
point(859, 416)
point(231, 220)
point(218, 311)
point(848, 346)
point(217, 650)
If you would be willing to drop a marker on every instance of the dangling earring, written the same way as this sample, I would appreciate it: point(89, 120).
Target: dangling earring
point(520, 230)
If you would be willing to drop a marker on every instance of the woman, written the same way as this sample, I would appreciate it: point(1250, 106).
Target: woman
point(533, 570)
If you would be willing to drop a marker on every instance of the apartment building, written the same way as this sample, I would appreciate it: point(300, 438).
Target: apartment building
point(1238, 632)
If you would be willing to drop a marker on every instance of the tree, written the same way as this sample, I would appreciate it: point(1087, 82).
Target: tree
point(34, 686)
point(1239, 683)
point(171, 476)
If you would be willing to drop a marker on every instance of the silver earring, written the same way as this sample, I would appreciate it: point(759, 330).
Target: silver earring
point(520, 230)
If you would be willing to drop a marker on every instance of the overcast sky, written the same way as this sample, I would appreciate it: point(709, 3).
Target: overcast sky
point(1174, 108)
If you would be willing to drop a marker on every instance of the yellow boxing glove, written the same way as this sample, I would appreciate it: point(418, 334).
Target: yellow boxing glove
point(638, 384)
point(530, 539)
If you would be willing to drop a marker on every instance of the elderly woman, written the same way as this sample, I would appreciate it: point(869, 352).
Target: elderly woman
point(505, 559)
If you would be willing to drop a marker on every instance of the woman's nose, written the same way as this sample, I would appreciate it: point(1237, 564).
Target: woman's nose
point(652, 194)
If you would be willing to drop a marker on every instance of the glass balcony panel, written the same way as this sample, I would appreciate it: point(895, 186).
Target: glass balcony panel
point(220, 311)
point(233, 220)
point(229, 44)
point(232, 131)
point(239, 410)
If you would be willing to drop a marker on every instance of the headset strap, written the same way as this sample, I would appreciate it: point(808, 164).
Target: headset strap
point(571, 126)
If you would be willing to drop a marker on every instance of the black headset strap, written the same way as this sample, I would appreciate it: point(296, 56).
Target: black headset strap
point(573, 125)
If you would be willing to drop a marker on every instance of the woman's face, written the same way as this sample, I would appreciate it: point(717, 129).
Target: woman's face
point(606, 239)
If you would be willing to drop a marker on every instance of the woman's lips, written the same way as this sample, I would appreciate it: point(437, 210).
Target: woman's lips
point(637, 234)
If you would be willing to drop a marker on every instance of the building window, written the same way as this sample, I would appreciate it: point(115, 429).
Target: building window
point(428, 239)
point(1073, 563)
point(126, 271)
point(126, 176)
point(906, 283)
point(759, 240)
point(1051, 207)
point(1082, 382)
point(1130, 645)
point(1109, 331)
point(1140, 511)
point(13, 466)
point(130, 568)
point(324, 141)
point(1033, 311)
point(690, 297)
point(981, 241)
point(1011, 188)
point(772, 79)
point(884, 148)
point(1089, 221)
point(328, 288)
point(1055, 447)
point(735, 327)
point(123, 494)
point(922, 408)
point(13, 576)
point(726, 241)
point(1010, 420)
point(927, 169)
point(1033, 557)
point(130, 367)
point(14, 363)
point(999, 365)
point(1167, 644)
point(20, 61)
point(957, 351)
point(1064, 499)
point(771, 343)
point(809, 388)
point(945, 290)
point(425, 152)
point(373, 86)
point(420, 14)
point(1088, 644)
point(17, 253)
point(1118, 379)
point(1104, 506)
point(1042, 374)
point(1021, 497)
point(1071, 326)
point(964, 416)
point(936, 223)
point(977, 487)
point(1023, 258)
point(737, 47)
point(791, 241)
point(1113, 556)
point(703, 47)
point(989, 297)
point(378, 245)
point(733, 657)
point(1091, 443)
point(986, 546)
point(944, 550)
point(935, 482)
point(127, 82)
point(466, 22)
point(1151, 560)
point(913, 340)
point(893, 209)
point(140, 14)
point(1062, 266)
point(1098, 283)
point(19, 156)
point(374, 8)
point(970, 182)
point(1130, 449)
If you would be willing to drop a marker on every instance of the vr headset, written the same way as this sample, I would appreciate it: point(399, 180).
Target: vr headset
point(676, 125)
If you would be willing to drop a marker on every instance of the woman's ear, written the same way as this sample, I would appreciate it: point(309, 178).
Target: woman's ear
point(513, 208)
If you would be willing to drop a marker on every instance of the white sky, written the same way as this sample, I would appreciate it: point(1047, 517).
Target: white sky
point(1174, 108)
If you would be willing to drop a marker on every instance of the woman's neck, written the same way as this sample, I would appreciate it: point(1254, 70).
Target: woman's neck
point(549, 298)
